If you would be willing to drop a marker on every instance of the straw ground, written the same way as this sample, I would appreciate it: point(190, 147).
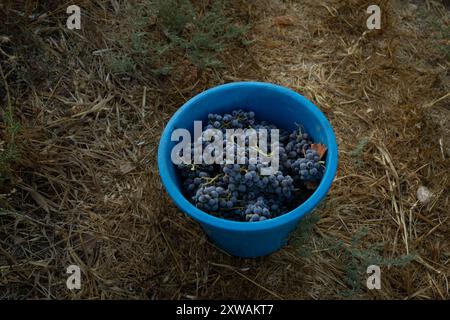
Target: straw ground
point(82, 112)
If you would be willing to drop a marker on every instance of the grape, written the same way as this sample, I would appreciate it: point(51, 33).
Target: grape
point(238, 191)
point(309, 168)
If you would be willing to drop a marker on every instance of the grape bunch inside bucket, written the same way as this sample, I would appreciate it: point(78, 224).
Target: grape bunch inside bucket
point(249, 203)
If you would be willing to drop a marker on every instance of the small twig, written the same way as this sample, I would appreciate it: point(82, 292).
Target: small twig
point(432, 103)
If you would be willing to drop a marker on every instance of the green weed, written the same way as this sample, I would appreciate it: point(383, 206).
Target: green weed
point(357, 153)
point(360, 254)
point(158, 34)
point(303, 233)
point(438, 29)
point(121, 65)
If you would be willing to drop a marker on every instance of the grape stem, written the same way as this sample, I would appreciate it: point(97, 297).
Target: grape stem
point(262, 152)
point(211, 180)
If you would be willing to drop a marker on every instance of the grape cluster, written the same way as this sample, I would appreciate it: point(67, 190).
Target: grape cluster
point(208, 197)
point(308, 168)
point(238, 119)
point(238, 191)
point(257, 211)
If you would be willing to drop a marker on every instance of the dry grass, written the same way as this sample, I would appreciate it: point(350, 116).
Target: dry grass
point(84, 187)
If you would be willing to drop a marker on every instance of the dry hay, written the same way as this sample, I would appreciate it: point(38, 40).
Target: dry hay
point(85, 189)
point(377, 88)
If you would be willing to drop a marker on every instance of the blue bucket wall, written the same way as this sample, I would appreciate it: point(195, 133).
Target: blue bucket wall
point(273, 103)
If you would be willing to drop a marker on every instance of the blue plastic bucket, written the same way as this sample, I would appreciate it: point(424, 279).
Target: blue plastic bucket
point(279, 105)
